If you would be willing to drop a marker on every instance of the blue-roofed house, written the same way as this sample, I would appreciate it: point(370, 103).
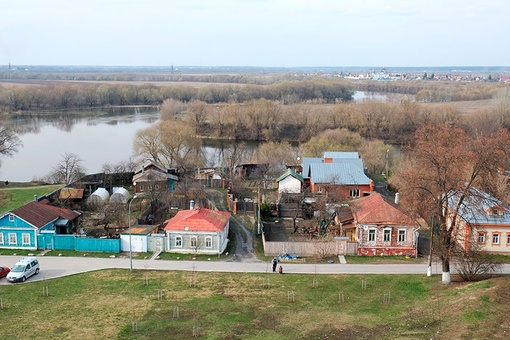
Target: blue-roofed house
point(483, 223)
point(340, 174)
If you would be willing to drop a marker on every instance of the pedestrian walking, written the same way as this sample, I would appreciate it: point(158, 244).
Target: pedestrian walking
point(275, 263)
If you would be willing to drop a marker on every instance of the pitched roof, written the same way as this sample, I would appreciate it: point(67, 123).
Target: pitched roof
point(478, 206)
point(198, 220)
point(288, 173)
point(333, 157)
point(344, 173)
point(375, 209)
point(40, 214)
point(153, 175)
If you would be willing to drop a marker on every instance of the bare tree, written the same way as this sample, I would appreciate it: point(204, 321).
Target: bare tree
point(9, 141)
point(68, 170)
point(445, 163)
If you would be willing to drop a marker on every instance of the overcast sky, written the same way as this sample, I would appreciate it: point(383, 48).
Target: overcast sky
point(279, 33)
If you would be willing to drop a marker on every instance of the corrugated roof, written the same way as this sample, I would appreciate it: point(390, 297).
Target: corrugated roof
point(70, 193)
point(375, 209)
point(292, 173)
point(199, 220)
point(342, 173)
point(477, 208)
point(341, 154)
point(39, 214)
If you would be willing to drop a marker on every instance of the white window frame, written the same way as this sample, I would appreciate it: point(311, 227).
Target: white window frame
point(25, 239)
point(11, 217)
point(481, 237)
point(387, 232)
point(319, 189)
point(208, 242)
point(142, 189)
point(508, 239)
point(496, 238)
point(178, 241)
point(372, 232)
point(1, 238)
point(354, 193)
point(193, 242)
point(402, 235)
point(13, 239)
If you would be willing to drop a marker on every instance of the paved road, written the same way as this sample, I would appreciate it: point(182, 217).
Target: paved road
point(52, 267)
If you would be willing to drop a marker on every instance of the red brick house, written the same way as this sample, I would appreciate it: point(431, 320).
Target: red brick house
point(338, 174)
point(382, 228)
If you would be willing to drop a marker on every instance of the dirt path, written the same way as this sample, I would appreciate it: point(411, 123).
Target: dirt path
point(244, 251)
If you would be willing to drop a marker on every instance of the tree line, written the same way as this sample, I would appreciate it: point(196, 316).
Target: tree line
point(58, 96)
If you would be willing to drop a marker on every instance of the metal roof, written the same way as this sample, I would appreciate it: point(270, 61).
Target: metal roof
point(342, 173)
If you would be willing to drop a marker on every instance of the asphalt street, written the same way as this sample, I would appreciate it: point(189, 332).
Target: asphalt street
point(52, 267)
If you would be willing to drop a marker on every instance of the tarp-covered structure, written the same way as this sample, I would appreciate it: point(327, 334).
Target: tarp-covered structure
point(120, 195)
point(100, 196)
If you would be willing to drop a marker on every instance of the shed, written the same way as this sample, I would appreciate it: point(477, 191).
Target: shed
point(120, 195)
point(100, 196)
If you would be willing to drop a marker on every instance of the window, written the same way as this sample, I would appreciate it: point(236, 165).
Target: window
point(178, 241)
point(13, 239)
point(194, 242)
point(208, 242)
point(25, 239)
point(401, 235)
point(156, 187)
point(11, 217)
point(495, 238)
point(1, 238)
point(354, 193)
point(481, 237)
point(142, 189)
point(371, 235)
point(387, 235)
point(319, 189)
point(507, 239)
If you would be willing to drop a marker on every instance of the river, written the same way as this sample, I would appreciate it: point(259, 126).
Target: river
point(96, 136)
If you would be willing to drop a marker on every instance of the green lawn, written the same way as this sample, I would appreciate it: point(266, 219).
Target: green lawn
point(12, 198)
point(117, 304)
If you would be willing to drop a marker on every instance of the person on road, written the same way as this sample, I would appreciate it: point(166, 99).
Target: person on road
point(275, 263)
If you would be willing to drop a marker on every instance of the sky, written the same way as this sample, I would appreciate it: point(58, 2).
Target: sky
point(260, 33)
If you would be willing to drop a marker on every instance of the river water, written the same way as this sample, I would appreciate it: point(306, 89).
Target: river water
point(96, 136)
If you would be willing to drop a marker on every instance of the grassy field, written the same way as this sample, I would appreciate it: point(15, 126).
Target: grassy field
point(16, 196)
point(114, 304)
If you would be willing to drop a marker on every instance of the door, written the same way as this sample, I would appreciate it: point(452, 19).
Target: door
point(159, 244)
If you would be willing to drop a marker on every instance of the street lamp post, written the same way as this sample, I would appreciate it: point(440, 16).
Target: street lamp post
point(129, 227)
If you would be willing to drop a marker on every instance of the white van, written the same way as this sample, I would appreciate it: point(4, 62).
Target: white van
point(23, 269)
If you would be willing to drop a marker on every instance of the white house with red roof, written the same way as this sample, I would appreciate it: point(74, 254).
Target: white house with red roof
point(198, 231)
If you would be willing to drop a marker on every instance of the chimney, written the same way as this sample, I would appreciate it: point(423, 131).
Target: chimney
point(35, 198)
point(191, 205)
point(397, 198)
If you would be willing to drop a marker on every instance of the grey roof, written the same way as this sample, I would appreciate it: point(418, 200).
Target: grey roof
point(341, 154)
point(357, 162)
point(476, 208)
point(344, 173)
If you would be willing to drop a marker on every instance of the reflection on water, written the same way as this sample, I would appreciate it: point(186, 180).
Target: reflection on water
point(96, 136)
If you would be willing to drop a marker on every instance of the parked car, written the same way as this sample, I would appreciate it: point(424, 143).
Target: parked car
point(23, 269)
point(4, 271)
